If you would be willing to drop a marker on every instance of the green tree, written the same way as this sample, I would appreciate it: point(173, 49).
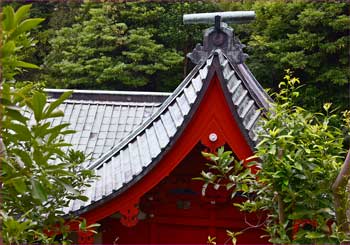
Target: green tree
point(106, 53)
point(57, 15)
point(161, 23)
point(312, 38)
point(301, 155)
point(39, 174)
point(164, 22)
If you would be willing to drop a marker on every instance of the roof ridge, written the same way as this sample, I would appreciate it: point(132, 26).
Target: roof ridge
point(114, 92)
point(104, 95)
point(253, 86)
point(94, 102)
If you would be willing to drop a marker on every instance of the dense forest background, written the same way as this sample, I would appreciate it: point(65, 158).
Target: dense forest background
point(143, 45)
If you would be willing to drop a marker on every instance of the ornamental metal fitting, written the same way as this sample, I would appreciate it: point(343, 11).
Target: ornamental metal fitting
point(213, 137)
point(221, 36)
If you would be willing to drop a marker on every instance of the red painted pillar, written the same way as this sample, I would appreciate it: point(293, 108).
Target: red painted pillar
point(86, 237)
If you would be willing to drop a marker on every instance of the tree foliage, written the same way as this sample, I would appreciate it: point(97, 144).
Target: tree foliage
point(158, 25)
point(40, 175)
point(311, 38)
point(164, 21)
point(106, 53)
point(301, 154)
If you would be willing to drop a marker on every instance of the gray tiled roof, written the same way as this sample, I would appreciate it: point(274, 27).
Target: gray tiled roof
point(103, 118)
point(134, 156)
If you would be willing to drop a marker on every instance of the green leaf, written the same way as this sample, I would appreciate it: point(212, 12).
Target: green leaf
point(326, 106)
point(57, 129)
point(314, 235)
point(23, 132)
point(70, 188)
point(39, 158)
point(93, 226)
point(8, 22)
point(26, 65)
point(233, 194)
point(38, 191)
point(68, 132)
point(221, 151)
point(198, 178)
point(82, 225)
point(25, 26)
point(16, 115)
point(22, 12)
point(7, 49)
point(53, 105)
point(207, 154)
point(20, 185)
point(24, 155)
point(55, 114)
point(83, 198)
point(245, 187)
point(234, 240)
point(298, 166)
point(230, 185)
point(38, 103)
point(272, 150)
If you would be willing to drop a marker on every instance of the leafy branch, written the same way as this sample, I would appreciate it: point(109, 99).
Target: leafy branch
point(301, 154)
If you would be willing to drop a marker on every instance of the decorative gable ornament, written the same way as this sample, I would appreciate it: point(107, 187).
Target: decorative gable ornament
point(221, 36)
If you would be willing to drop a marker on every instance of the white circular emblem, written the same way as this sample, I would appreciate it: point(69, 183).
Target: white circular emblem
point(213, 137)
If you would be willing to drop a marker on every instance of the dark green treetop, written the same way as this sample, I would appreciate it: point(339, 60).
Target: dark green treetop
point(311, 38)
point(102, 52)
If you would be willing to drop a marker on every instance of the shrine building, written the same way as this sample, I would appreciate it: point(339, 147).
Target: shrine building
point(146, 148)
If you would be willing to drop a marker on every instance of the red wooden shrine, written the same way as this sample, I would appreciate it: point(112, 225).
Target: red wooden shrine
point(166, 206)
point(218, 104)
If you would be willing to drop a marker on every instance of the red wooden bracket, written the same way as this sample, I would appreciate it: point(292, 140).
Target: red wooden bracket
point(129, 215)
point(85, 237)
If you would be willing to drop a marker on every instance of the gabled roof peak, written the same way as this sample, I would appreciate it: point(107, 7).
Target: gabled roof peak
point(134, 157)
